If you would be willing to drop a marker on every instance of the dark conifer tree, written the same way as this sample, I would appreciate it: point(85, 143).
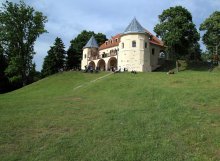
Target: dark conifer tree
point(55, 60)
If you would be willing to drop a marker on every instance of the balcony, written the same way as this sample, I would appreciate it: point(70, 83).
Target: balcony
point(105, 55)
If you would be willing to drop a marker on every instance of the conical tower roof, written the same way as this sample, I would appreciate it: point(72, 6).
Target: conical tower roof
point(92, 43)
point(134, 27)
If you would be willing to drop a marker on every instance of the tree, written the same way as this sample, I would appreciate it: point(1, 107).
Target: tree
point(195, 52)
point(3, 65)
point(55, 60)
point(59, 53)
point(20, 26)
point(211, 38)
point(34, 75)
point(74, 53)
point(177, 31)
point(48, 64)
point(206, 56)
point(3, 62)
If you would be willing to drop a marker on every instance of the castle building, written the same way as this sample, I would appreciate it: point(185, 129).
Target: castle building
point(134, 49)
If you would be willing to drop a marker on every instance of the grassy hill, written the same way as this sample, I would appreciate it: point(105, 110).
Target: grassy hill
point(148, 116)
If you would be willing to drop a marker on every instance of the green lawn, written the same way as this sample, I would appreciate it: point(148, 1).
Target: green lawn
point(148, 116)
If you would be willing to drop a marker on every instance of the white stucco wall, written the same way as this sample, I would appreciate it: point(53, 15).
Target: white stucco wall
point(84, 61)
point(133, 58)
point(139, 58)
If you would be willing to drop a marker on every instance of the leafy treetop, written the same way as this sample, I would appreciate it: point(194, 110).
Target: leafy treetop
point(20, 26)
point(177, 30)
point(211, 26)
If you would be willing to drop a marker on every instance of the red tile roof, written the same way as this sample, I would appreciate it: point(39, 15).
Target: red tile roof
point(112, 42)
point(155, 40)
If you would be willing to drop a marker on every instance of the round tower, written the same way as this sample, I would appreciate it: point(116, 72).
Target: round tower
point(134, 48)
point(90, 52)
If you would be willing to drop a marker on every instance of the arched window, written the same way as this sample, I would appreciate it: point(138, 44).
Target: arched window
point(162, 55)
point(122, 45)
point(133, 44)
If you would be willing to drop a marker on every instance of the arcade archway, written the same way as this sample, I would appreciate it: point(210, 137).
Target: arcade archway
point(92, 65)
point(112, 64)
point(101, 65)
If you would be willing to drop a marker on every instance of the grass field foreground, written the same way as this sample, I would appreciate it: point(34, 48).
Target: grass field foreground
point(147, 116)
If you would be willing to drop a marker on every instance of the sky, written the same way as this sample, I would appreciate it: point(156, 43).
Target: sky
point(67, 18)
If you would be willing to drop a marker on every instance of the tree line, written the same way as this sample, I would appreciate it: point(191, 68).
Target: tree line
point(21, 25)
point(58, 59)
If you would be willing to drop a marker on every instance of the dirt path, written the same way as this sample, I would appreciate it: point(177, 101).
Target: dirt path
point(92, 81)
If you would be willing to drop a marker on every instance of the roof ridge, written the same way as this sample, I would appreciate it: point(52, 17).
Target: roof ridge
point(111, 42)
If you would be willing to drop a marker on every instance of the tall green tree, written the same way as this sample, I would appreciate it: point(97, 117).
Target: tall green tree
point(34, 75)
point(49, 64)
point(211, 37)
point(3, 62)
point(60, 54)
point(194, 52)
point(55, 60)
point(3, 65)
point(177, 31)
point(20, 26)
point(74, 53)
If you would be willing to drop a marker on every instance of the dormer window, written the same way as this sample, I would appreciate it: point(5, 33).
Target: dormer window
point(133, 44)
point(106, 43)
point(111, 41)
point(116, 40)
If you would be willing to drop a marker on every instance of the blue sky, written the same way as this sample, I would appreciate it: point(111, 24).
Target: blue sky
point(67, 18)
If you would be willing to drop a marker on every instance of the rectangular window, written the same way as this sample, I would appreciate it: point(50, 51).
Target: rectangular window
point(133, 44)
point(153, 51)
point(145, 44)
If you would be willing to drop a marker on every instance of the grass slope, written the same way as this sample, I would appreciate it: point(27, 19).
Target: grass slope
point(148, 116)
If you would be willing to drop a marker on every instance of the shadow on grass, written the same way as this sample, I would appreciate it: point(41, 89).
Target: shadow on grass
point(170, 65)
point(167, 65)
point(198, 66)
